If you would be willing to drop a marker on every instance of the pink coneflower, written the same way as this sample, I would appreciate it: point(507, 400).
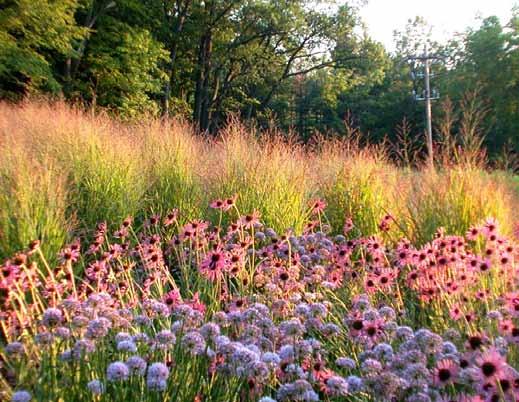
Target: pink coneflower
point(512, 303)
point(196, 304)
point(385, 279)
point(217, 204)
point(249, 220)
point(317, 206)
point(506, 326)
point(348, 226)
point(490, 227)
point(491, 365)
point(472, 233)
point(96, 270)
point(370, 284)
point(214, 264)
point(445, 372)
point(455, 312)
point(69, 254)
point(171, 217)
point(384, 224)
point(475, 342)
point(172, 298)
point(230, 202)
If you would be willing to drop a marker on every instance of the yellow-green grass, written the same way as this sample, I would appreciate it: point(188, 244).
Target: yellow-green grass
point(63, 170)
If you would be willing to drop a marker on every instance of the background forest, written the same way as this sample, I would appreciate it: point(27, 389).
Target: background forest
point(292, 64)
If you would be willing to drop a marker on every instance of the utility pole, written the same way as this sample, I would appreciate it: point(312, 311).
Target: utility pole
point(428, 113)
point(428, 96)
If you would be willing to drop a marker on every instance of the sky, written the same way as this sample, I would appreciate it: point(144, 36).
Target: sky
point(446, 16)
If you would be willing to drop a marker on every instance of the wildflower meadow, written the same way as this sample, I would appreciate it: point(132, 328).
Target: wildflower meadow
point(165, 267)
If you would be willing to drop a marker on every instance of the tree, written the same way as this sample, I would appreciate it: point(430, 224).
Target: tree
point(34, 37)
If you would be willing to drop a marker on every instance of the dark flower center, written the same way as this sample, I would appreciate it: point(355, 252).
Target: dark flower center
point(444, 374)
point(488, 369)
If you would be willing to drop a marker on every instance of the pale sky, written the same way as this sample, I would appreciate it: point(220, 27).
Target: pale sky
point(446, 16)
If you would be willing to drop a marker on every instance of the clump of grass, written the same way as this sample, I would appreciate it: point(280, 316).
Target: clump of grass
point(174, 159)
point(269, 173)
point(356, 183)
point(454, 198)
point(100, 158)
point(33, 205)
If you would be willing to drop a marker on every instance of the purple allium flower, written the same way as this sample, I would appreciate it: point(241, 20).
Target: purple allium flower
point(157, 376)
point(210, 331)
point(220, 318)
point(14, 348)
point(194, 342)
point(21, 396)
point(292, 328)
point(270, 232)
point(267, 399)
point(155, 384)
point(371, 315)
point(302, 309)
point(336, 386)
point(136, 365)
point(80, 321)
point(52, 317)
point(429, 342)
point(417, 375)
point(126, 346)
point(96, 387)
point(117, 371)
point(82, 347)
point(123, 336)
point(414, 356)
point(355, 384)
point(494, 315)
point(44, 338)
point(159, 308)
point(140, 337)
point(142, 320)
point(165, 337)
point(300, 390)
point(383, 351)
point(346, 362)
point(66, 356)
point(371, 366)
point(287, 353)
point(221, 341)
point(387, 313)
point(62, 332)
point(98, 328)
point(330, 329)
point(270, 358)
point(404, 333)
point(449, 348)
point(158, 370)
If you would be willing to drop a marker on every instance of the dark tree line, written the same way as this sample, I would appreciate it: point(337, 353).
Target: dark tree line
point(291, 63)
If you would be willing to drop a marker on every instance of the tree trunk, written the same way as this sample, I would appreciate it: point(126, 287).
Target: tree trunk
point(202, 101)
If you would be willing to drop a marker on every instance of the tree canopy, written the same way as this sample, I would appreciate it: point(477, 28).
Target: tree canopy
point(303, 65)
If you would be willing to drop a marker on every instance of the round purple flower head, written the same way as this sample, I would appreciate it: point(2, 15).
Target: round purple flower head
point(21, 396)
point(52, 317)
point(117, 371)
point(96, 387)
point(137, 365)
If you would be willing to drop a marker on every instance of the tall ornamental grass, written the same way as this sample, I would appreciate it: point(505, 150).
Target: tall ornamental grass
point(91, 168)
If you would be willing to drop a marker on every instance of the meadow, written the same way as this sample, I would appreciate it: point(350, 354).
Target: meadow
point(147, 262)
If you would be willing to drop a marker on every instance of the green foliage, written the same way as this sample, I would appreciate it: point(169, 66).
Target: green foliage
point(33, 37)
point(125, 68)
